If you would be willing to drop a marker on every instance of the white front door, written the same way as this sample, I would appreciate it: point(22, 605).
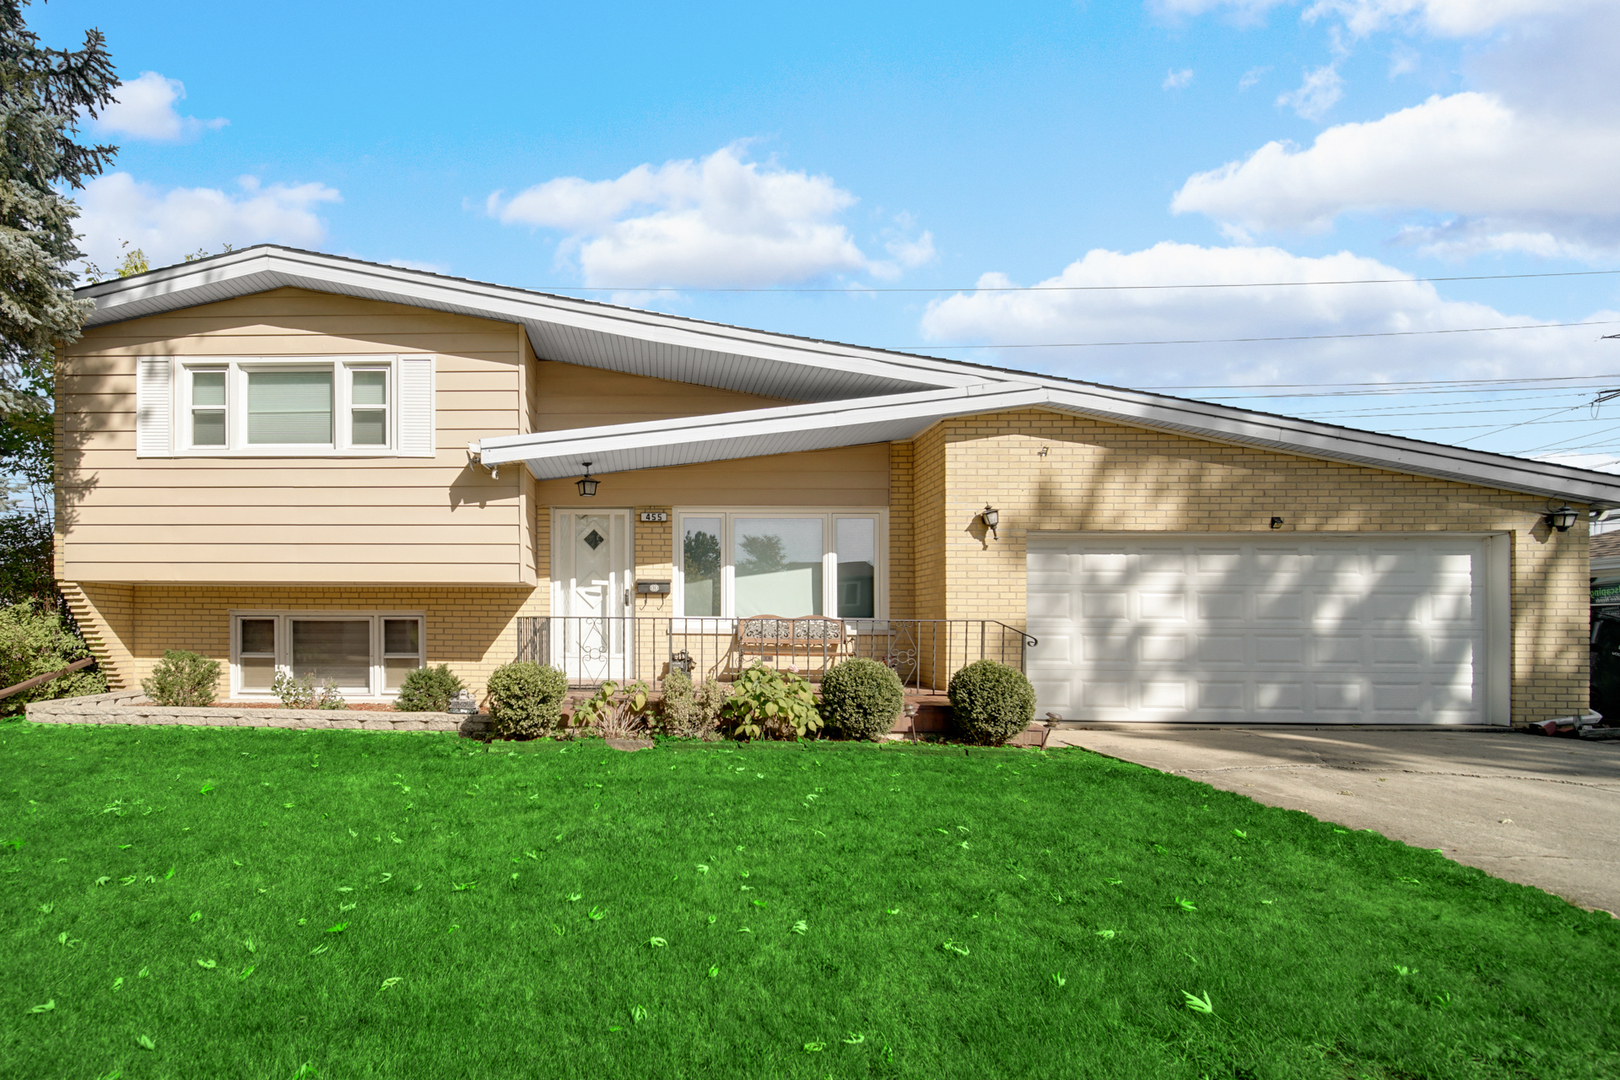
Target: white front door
point(591, 591)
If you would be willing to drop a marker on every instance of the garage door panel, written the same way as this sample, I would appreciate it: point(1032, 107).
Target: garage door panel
point(1222, 649)
point(1051, 604)
point(1223, 606)
point(1339, 630)
point(1272, 649)
point(1100, 604)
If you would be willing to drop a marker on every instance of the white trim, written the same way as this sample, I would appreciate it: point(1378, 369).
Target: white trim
point(376, 690)
point(853, 378)
point(820, 425)
point(829, 555)
point(343, 367)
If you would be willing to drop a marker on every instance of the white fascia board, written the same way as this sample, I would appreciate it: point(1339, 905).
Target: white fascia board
point(1325, 441)
point(266, 267)
point(752, 433)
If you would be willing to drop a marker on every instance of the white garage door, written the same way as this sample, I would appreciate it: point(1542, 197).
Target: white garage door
point(1225, 629)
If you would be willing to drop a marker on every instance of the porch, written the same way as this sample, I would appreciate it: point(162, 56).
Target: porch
point(924, 653)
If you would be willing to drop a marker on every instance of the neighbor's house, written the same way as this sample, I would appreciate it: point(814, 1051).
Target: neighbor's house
point(291, 461)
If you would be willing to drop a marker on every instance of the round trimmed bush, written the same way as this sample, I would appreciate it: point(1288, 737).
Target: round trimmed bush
point(861, 698)
point(428, 689)
point(182, 678)
point(991, 702)
point(525, 699)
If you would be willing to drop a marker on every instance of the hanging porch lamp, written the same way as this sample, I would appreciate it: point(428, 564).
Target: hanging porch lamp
point(586, 484)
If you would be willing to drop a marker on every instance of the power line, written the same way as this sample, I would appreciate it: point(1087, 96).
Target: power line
point(1067, 288)
point(1412, 382)
point(1251, 340)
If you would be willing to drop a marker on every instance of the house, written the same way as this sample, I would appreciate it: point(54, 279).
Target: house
point(292, 461)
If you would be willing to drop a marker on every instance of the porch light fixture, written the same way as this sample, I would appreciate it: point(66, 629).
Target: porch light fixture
point(586, 484)
point(1561, 518)
point(991, 518)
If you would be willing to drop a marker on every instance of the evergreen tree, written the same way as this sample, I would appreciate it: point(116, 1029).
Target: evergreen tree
point(43, 93)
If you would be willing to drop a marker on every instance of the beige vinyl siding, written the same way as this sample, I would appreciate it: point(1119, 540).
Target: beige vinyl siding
point(572, 396)
point(308, 519)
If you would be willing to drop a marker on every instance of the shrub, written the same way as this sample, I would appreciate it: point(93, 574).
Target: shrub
point(767, 701)
point(428, 689)
point(690, 712)
point(301, 693)
point(525, 698)
point(615, 712)
point(182, 678)
point(34, 640)
point(861, 698)
point(991, 702)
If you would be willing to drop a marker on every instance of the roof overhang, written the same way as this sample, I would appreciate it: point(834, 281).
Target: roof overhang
point(559, 327)
point(853, 395)
point(789, 429)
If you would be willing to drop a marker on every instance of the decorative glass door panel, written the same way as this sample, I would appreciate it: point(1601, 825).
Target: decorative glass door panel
point(592, 587)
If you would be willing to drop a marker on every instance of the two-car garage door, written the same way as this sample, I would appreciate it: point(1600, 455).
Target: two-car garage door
point(1394, 630)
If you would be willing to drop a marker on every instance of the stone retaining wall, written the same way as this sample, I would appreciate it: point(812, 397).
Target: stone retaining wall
point(133, 707)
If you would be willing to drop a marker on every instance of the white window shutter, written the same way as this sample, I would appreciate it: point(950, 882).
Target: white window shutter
point(416, 422)
point(154, 407)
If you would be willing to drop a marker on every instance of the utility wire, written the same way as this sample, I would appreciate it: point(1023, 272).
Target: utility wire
point(1069, 288)
point(1413, 382)
point(1250, 340)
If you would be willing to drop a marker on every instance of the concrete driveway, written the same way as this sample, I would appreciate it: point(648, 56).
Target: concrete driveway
point(1538, 811)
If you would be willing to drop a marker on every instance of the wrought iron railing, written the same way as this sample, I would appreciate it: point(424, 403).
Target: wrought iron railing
point(925, 653)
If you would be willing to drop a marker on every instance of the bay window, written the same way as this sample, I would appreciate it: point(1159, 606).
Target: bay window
point(737, 564)
point(365, 655)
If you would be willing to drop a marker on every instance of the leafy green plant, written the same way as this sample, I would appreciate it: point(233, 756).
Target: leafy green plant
point(615, 712)
point(690, 711)
point(300, 693)
point(861, 698)
point(428, 689)
point(767, 701)
point(991, 702)
point(525, 698)
point(182, 678)
point(34, 640)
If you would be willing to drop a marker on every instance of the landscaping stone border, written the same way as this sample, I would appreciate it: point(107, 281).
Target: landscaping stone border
point(133, 707)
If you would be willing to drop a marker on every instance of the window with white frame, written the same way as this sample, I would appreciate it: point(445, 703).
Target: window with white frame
point(364, 655)
point(285, 406)
point(740, 563)
point(251, 405)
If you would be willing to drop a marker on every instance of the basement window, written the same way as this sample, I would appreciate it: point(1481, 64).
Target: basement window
point(365, 654)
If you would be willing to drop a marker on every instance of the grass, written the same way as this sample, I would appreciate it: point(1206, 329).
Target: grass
point(190, 902)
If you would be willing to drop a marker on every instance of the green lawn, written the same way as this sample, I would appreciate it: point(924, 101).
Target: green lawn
point(191, 902)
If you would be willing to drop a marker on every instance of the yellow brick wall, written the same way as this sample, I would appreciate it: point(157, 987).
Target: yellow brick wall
point(655, 552)
point(902, 537)
point(471, 629)
point(106, 617)
point(1097, 476)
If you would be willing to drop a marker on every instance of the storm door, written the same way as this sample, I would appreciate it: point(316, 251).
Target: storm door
point(591, 589)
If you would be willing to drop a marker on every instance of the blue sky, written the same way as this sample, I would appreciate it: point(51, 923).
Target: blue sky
point(926, 146)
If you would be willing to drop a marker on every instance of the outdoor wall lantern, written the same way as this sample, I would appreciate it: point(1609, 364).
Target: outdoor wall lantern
point(586, 484)
point(991, 518)
point(1561, 518)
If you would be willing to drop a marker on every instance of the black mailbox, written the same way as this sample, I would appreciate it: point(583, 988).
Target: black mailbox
point(652, 588)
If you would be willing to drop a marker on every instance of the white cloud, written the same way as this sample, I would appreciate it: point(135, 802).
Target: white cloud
point(145, 109)
point(170, 224)
point(1403, 60)
point(1442, 18)
point(1320, 91)
point(1468, 153)
point(1047, 317)
point(1252, 76)
point(1175, 80)
point(723, 220)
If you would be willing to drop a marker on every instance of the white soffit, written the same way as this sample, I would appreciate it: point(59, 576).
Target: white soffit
point(560, 328)
point(854, 395)
point(759, 432)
